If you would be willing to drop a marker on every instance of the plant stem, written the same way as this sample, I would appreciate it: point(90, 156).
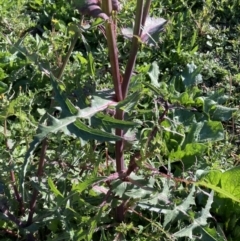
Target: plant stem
point(12, 176)
point(113, 56)
point(119, 148)
point(66, 58)
point(134, 50)
point(107, 7)
point(112, 49)
point(17, 194)
point(145, 14)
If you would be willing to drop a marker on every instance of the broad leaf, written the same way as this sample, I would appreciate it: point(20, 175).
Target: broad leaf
point(223, 113)
point(230, 181)
point(119, 187)
point(191, 149)
point(191, 75)
point(205, 131)
point(153, 73)
point(212, 176)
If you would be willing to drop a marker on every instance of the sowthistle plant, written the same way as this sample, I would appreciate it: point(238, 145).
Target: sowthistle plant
point(107, 10)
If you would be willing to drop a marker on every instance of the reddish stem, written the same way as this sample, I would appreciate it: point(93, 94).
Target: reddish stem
point(16, 193)
point(134, 50)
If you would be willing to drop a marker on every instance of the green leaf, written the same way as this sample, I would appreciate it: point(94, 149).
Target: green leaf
point(87, 133)
point(80, 187)
point(212, 176)
point(153, 88)
point(222, 113)
point(210, 234)
point(153, 73)
point(8, 110)
point(119, 187)
point(137, 193)
point(171, 215)
point(218, 190)
point(3, 87)
point(91, 66)
point(3, 75)
point(184, 117)
point(185, 99)
point(230, 181)
point(214, 110)
point(67, 107)
point(97, 22)
point(192, 149)
point(54, 188)
point(200, 222)
point(99, 101)
point(191, 75)
point(70, 126)
point(205, 131)
point(130, 102)
point(109, 122)
point(92, 225)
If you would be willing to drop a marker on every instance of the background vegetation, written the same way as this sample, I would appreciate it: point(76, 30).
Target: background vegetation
point(181, 125)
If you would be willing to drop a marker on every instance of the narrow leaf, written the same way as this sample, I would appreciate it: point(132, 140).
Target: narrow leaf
point(130, 102)
point(218, 190)
point(80, 187)
point(90, 133)
point(54, 188)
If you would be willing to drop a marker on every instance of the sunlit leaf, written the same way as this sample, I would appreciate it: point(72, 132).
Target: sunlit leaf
point(130, 102)
point(3, 87)
point(191, 75)
point(230, 181)
point(154, 74)
point(54, 188)
point(212, 176)
point(218, 189)
point(205, 131)
point(85, 184)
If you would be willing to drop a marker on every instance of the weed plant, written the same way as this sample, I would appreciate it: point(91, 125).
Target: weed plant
point(119, 120)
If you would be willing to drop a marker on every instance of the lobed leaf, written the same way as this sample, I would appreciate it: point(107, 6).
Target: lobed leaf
point(200, 222)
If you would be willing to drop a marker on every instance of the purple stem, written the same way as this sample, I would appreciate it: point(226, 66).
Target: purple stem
point(145, 14)
point(134, 50)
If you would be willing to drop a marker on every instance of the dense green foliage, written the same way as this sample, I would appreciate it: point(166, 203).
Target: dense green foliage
point(181, 124)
